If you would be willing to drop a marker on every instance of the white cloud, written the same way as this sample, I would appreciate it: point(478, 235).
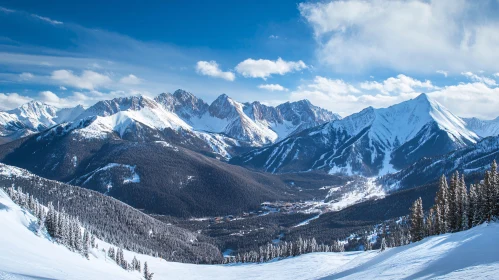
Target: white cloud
point(344, 98)
point(273, 37)
point(46, 19)
point(496, 75)
point(273, 87)
point(445, 73)
point(87, 80)
point(333, 94)
point(211, 68)
point(401, 83)
point(77, 98)
point(418, 35)
point(481, 79)
point(12, 100)
point(130, 80)
point(264, 68)
point(62, 88)
point(86, 99)
point(26, 76)
point(49, 97)
point(470, 99)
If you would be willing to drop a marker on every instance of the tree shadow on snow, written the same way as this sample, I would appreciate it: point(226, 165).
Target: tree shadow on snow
point(27, 276)
point(469, 250)
point(463, 255)
point(4, 207)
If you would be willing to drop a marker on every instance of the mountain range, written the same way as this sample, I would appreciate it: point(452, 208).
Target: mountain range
point(372, 142)
point(223, 128)
point(174, 148)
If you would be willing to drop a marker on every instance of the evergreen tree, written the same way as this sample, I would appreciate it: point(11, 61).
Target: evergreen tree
point(367, 244)
point(417, 220)
point(86, 244)
point(463, 204)
point(92, 240)
point(430, 223)
point(439, 223)
point(494, 192)
point(454, 203)
point(110, 253)
point(473, 207)
point(442, 200)
point(51, 221)
point(383, 245)
point(488, 196)
point(147, 274)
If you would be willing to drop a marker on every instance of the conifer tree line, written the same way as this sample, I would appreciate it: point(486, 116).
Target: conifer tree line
point(67, 230)
point(456, 207)
point(283, 250)
point(117, 223)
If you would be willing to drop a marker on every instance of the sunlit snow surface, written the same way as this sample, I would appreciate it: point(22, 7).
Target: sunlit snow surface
point(470, 254)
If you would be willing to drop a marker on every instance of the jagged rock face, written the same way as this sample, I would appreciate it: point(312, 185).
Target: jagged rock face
point(110, 107)
point(255, 123)
point(260, 112)
point(304, 112)
point(225, 108)
point(372, 142)
point(183, 103)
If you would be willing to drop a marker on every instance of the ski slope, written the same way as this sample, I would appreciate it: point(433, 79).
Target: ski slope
point(471, 254)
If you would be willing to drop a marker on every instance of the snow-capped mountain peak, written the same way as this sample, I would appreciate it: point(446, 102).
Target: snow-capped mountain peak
point(371, 142)
point(33, 117)
point(35, 114)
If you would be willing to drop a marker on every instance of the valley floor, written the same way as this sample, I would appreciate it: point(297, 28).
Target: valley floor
point(472, 254)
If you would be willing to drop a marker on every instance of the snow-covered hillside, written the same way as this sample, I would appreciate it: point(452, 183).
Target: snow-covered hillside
point(469, 254)
point(483, 128)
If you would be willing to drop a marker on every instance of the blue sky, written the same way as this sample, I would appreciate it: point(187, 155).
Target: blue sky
point(341, 55)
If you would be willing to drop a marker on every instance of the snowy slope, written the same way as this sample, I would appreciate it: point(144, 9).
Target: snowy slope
point(372, 142)
point(469, 254)
point(25, 255)
point(483, 128)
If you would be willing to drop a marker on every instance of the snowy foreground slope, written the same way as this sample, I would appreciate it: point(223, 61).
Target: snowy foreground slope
point(463, 255)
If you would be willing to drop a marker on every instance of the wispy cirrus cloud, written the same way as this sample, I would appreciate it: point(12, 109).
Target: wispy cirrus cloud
point(481, 79)
point(445, 73)
point(46, 19)
point(5, 10)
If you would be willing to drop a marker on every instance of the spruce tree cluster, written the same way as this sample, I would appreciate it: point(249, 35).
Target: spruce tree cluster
point(67, 230)
point(456, 207)
point(283, 250)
